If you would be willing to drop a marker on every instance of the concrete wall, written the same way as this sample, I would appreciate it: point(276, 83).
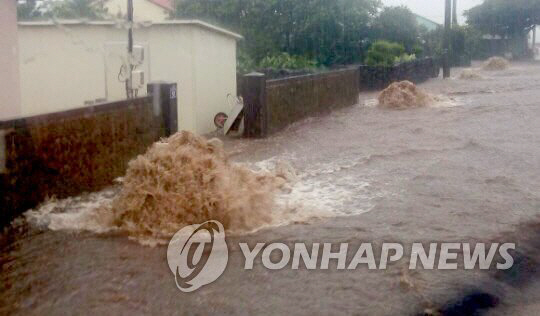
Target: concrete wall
point(62, 66)
point(143, 10)
point(379, 77)
point(71, 152)
point(9, 67)
point(271, 105)
point(292, 99)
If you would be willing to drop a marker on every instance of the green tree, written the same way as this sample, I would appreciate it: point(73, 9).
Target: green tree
point(286, 61)
point(328, 31)
point(76, 9)
point(465, 42)
point(511, 20)
point(397, 24)
point(28, 10)
point(384, 53)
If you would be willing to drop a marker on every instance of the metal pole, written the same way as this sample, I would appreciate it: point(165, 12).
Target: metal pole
point(534, 38)
point(129, 83)
point(454, 14)
point(447, 27)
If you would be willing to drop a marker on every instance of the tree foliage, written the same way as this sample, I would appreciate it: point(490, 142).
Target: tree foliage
point(384, 53)
point(76, 9)
point(505, 18)
point(512, 20)
point(397, 24)
point(63, 9)
point(28, 10)
point(328, 31)
point(286, 61)
point(465, 41)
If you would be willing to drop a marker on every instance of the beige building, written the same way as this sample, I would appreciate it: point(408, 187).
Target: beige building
point(72, 64)
point(9, 66)
point(144, 10)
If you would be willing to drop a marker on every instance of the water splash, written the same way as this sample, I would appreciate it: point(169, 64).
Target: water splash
point(470, 74)
point(496, 63)
point(405, 95)
point(186, 179)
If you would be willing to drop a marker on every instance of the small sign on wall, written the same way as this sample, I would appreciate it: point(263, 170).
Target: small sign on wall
point(173, 93)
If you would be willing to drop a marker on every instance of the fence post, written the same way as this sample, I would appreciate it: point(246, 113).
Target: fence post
point(165, 100)
point(3, 151)
point(255, 107)
point(362, 78)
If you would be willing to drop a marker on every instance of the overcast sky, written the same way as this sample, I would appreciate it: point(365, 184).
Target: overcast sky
point(433, 9)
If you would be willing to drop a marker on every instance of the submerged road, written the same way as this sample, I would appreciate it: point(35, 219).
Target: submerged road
point(465, 172)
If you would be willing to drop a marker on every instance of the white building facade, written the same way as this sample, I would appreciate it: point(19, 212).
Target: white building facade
point(72, 64)
point(10, 100)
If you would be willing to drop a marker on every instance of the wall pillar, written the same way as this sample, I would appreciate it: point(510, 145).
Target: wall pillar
point(3, 152)
point(255, 107)
point(165, 102)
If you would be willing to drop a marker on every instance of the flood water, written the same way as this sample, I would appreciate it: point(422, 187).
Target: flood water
point(464, 171)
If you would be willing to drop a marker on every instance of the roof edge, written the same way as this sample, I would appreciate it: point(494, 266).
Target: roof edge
point(202, 24)
point(198, 23)
point(427, 19)
point(161, 5)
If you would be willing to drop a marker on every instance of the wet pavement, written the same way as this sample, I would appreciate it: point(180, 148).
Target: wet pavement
point(465, 172)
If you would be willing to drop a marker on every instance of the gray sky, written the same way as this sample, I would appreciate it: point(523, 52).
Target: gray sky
point(433, 9)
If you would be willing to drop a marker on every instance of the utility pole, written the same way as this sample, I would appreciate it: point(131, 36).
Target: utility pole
point(129, 82)
point(454, 14)
point(534, 39)
point(447, 27)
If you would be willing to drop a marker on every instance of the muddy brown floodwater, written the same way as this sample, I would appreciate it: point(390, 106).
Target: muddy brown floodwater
point(466, 170)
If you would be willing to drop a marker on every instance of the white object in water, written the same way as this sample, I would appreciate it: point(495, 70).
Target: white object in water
point(233, 114)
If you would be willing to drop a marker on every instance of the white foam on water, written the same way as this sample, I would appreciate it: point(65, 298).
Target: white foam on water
point(315, 193)
point(442, 101)
point(371, 103)
point(439, 101)
point(82, 213)
point(319, 192)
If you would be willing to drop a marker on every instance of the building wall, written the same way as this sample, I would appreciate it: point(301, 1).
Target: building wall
point(172, 53)
point(212, 59)
point(9, 80)
point(67, 153)
point(143, 10)
point(64, 66)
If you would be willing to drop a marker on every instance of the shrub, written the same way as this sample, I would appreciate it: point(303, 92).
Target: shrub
point(418, 51)
point(384, 53)
point(404, 58)
point(286, 61)
point(244, 63)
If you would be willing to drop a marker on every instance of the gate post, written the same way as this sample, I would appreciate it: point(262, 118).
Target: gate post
point(165, 101)
point(255, 107)
point(3, 151)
